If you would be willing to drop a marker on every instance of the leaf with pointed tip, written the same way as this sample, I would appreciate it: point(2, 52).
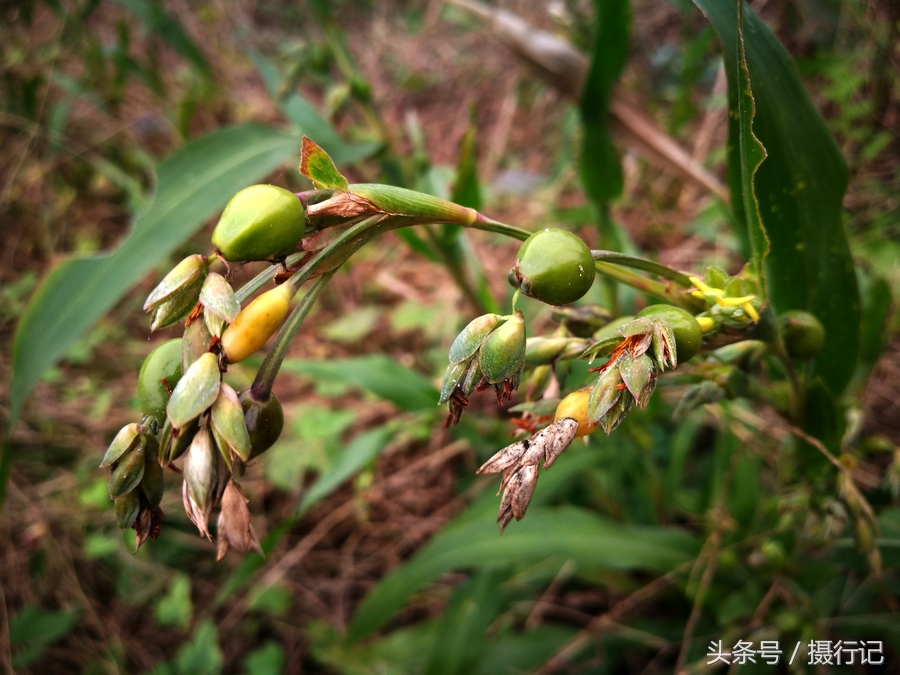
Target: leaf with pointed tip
point(789, 207)
point(316, 165)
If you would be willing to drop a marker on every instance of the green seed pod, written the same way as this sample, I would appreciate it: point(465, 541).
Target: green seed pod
point(128, 506)
point(554, 266)
point(802, 333)
point(256, 323)
point(264, 419)
point(687, 332)
point(259, 223)
point(502, 354)
point(127, 474)
point(160, 373)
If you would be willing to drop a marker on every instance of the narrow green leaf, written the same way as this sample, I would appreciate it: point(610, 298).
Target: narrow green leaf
point(458, 641)
point(752, 154)
point(565, 532)
point(798, 188)
point(379, 374)
point(192, 184)
point(359, 452)
point(316, 165)
point(601, 171)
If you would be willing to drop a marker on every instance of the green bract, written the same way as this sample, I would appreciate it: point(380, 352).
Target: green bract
point(688, 336)
point(260, 222)
point(163, 363)
point(553, 266)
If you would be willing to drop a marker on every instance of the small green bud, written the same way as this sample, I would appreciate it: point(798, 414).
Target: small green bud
point(604, 395)
point(264, 420)
point(153, 482)
point(259, 223)
point(201, 479)
point(195, 392)
point(471, 337)
point(502, 354)
point(228, 426)
point(217, 298)
point(802, 333)
point(127, 474)
point(127, 508)
point(159, 374)
point(178, 292)
point(172, 447)
point(195, 342)
point(636, 374)
point(554, 266)
point(127, 439)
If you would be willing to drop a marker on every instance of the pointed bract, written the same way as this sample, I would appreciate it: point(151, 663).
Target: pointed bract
point(470, 338)
point(195, 392)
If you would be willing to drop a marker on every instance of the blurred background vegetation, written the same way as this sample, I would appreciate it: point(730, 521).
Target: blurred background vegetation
point(639, 549)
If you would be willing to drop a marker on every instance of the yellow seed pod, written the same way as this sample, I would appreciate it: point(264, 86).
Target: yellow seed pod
point(256, 323)
point(575, 406)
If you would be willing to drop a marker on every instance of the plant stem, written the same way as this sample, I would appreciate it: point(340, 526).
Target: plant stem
point(643, 264)
point(265, 377)
point(649, 286)
point(488, 225)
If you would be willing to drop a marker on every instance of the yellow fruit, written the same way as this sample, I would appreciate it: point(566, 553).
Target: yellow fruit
point(256, 323)
point(575, 406)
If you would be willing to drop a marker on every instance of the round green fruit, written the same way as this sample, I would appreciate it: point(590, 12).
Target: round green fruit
point(687, 332)
point(802, 333)
point(162, 368)
point(553, 266)
point(259, 223)
point(264, 419)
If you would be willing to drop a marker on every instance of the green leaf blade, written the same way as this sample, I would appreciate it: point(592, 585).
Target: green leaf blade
point(799, 190)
